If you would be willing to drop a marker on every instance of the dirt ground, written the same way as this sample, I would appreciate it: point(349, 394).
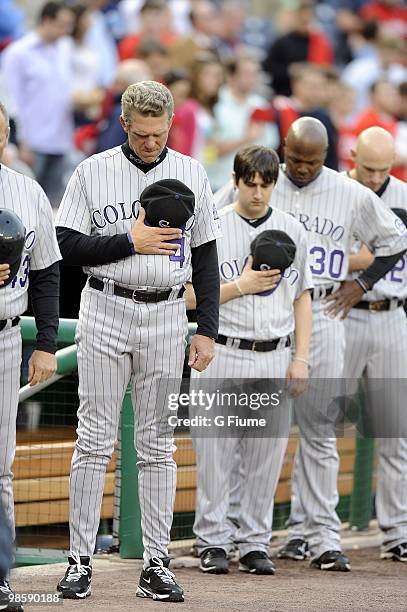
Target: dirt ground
point(372, 585)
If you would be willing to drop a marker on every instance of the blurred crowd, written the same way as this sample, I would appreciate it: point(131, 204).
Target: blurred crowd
point(237, 77)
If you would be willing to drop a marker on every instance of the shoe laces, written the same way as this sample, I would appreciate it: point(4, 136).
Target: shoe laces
point(76, 570)
point(5, 586)
point(162, 572)
point(302, 547)
point(334, 554)
point(214, 553)
point(257, 554)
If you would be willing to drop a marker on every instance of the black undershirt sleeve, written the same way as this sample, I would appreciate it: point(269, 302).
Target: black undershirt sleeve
point(205, 280)
point(77, 249)
point(44, 294)
point(379, 268)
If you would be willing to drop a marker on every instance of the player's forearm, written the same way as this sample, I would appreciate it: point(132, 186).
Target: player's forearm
point(303, 325)
point(189, 297)
point(361, 260)
point(77, 249)
point(44, 294)
point(228, 291)
point(379, 268)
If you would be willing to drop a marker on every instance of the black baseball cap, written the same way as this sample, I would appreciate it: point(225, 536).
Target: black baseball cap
point(272, 250)
point(12, 237)
point(168, 203)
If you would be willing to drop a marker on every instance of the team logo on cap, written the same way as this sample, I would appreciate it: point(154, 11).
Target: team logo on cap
point(265, 267)
point(163, 223)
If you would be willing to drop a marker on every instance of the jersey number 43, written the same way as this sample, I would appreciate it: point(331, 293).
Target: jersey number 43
point(22, 279)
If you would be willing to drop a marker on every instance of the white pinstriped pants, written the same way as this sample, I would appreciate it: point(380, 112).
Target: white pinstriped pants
point(10, 352)
point(314, 493)
point(260, 459)
point(376, 348)
point(120, 342)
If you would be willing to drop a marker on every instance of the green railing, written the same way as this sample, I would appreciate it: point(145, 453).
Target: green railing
point(130, 517)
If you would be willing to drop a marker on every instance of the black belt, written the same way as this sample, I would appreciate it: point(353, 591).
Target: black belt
point(379, 305)
point(323, 293)
point(252, 345)
point(4, 322)
point(137, 295)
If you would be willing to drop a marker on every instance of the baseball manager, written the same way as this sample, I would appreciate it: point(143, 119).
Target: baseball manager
point(114, 221)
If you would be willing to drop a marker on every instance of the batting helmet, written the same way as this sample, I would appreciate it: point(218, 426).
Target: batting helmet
point(168, 203)
point(12, 236)
point(272, 250)
point(401, 213)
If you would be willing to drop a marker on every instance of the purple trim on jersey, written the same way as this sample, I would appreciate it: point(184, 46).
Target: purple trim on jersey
point(132, 247)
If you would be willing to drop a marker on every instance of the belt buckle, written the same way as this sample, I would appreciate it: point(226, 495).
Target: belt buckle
point(133, 296)
point(376, 306)
point(253, 345)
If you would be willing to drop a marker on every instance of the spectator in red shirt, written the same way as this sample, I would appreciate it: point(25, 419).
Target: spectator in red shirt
point(309, 86)
point(382, 112)
point(391, 14)
point(304, 43)
point(181, 134)
point(153, 16)
point(155, 55)
point(341, 107)
point(194, 119)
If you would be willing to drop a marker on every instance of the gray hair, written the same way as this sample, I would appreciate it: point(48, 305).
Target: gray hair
point(147, 98)
point(4, 112)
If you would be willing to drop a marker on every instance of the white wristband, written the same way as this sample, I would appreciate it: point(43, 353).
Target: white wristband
point(302, 361)
point(239, 288)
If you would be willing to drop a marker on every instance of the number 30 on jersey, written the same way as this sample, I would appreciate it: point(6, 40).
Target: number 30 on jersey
point(327, 263)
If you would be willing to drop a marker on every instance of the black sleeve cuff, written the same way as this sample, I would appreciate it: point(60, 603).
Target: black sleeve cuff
point(44, 294)
point(379, 268)
point(205, 280)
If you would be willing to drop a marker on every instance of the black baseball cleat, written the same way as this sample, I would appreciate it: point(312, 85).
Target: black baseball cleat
point(332, 561)
point(7, 598)
point(214, 561)
point(76, 584)
point(296, 549)
point(397, 553)
point(157, 582)
point(257, 562)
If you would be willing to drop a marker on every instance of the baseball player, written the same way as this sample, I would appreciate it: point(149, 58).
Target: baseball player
point(132, 321)
point(376, 344)
point(259, 310)
point(26, 222)
point(6, 556)
point(331, 209)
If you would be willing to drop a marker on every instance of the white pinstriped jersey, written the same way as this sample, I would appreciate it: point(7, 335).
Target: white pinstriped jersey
point(25, 197)
point(260, 317)
point(102, 199)
point(332, 209)
point(394, 283)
